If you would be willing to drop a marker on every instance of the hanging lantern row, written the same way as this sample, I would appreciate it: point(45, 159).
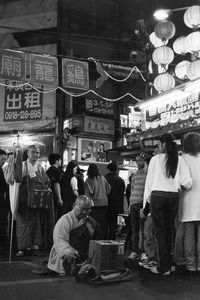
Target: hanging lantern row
point(188, 44)
point(181, 69)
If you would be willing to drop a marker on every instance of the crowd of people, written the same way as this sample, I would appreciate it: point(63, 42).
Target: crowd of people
point(60, 213)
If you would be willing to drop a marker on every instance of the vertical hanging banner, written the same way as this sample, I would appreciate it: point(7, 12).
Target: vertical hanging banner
point(12, 65)
point(22, 104)
point(43, 70)
point(75, 74)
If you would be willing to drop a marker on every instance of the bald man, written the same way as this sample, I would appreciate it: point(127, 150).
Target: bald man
point(72, 234)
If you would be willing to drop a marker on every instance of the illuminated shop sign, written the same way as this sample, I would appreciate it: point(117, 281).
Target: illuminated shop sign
point(180, 109)
point(12, 65)
point(99, 106)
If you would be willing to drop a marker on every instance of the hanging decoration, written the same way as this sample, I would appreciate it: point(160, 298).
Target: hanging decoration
point(156, 42)
point(160, 68)
point(181, 69)
point(193, 71)
point(163, 55)
point(165, 30)
point(179, 45)
point(193, 41)
point(192, 17)
point(164, 82)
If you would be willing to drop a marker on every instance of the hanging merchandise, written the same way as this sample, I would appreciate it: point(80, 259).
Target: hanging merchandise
point(164, 82)
point(192, 17)
point(165, 30)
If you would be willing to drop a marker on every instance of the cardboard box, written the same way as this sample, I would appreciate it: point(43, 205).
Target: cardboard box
point(107, 254)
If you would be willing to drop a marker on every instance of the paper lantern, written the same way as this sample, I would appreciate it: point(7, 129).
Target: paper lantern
point(193, 70)
point(164, 82)
point(156, 42)
point(193, 41)
point(179, 45)
point(163, 55)
point(192, 17)
point(165, 30)
point(181, 69)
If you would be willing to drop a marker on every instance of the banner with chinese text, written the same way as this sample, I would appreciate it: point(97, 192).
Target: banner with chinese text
point(22, 104)
point(99, 125)
point(12, 65)
point(99, 106)
point(75, 74)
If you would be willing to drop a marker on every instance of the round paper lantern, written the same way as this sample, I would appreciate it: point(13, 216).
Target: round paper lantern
point(192, 17)
point(156, 41)
point(193, 70)
point(193, 41)
point(181, 69)
point(165, 30)
point(179, 45)
point(164, 82)
point(163, 55)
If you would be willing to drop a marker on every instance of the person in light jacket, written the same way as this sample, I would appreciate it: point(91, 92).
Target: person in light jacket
point(97, 188)
point(167, 174)
point(189, 211)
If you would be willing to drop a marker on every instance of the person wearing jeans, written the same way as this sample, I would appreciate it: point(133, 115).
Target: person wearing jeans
point(190, 204)
point(167, 174)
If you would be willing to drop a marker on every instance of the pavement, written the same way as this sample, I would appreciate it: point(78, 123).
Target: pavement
point(17, 282)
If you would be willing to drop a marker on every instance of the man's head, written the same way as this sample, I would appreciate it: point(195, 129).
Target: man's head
point(33, 153)
point(112, 167)
point(82, 206)
point(3, 157)
point(140, 162)
point(55, 159)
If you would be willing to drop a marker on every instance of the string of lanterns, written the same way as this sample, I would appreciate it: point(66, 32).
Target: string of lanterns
point(163, 55)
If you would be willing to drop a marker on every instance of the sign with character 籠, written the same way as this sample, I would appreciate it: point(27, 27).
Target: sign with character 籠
point(22, 103)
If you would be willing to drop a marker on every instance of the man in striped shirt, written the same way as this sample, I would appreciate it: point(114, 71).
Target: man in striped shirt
point(136, 204)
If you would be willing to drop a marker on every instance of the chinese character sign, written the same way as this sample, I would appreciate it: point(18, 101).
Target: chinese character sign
point(75, 74)
point(43, 70)
point(98, 106)
point(22, 104)
point(99, 125)
point(12, 65)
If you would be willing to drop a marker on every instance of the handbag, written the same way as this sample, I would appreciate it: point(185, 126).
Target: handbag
point(39, 195)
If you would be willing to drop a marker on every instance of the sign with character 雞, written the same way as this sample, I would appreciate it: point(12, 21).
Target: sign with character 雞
point(22, 104)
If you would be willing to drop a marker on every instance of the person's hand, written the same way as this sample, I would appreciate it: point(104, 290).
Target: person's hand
point(142, 215)
point(60, 202)
point(71, 256)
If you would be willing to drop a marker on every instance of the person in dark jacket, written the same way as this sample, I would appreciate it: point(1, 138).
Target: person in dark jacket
point(81, 183)
point(4, 202)
point(115, 199)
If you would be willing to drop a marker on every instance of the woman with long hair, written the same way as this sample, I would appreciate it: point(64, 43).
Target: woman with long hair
point(167, 174)
point(97, 188)
point(69, 187)
point(189, 213)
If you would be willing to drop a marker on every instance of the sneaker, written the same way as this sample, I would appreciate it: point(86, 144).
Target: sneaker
point(132, 256)
point(143, 257)
point(155, 271)
point(148, 264)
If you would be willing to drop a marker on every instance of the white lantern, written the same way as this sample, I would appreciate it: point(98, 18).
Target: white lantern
point(192, 17)
point(163, 55)
point(181, 69)
point(179, 45)
point(156, 42)
point(193, 41)
point(164, 82)
point(193, 71)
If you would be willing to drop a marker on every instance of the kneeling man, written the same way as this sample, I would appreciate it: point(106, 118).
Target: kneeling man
point(72, 234)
